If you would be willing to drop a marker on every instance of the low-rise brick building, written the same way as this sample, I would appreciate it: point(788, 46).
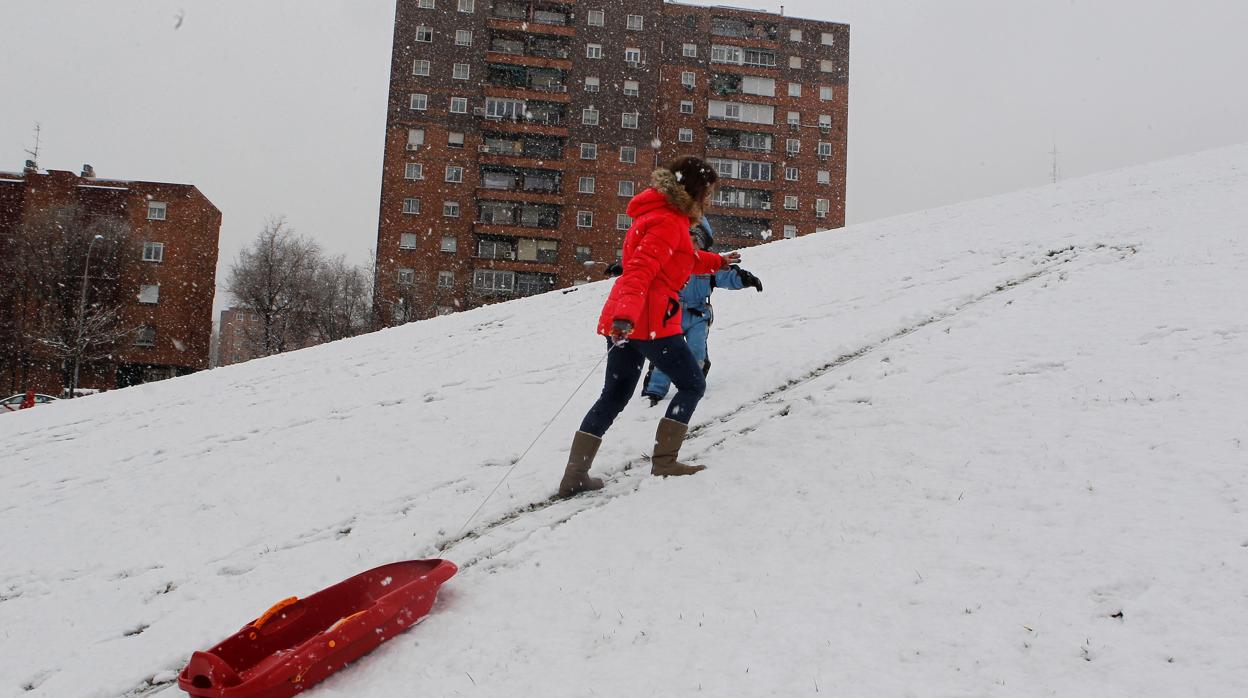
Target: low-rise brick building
point(167, 278)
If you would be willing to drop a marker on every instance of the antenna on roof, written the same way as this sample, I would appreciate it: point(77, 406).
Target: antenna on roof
point(34, 152)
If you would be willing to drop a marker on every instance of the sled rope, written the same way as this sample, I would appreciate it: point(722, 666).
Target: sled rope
point(517, 462)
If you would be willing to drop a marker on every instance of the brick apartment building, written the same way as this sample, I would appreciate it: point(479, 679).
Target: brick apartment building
point(240, 336)
point(169, 280)
point(518, 130)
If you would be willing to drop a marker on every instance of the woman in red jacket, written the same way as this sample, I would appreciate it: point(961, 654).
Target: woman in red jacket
point(641, 318)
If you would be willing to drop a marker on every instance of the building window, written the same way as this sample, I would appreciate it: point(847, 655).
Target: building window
point(790, 174)
point(586, 185)
point(686, 107)
point(627, 187)
point(825, 93)
point(824, 177)
point(593, 50)
point(591, 84)
point(795, 62)
point(790, 203)
point(424, 34)
point(419, 102)
point(685, 135)
point(628, 154)
point(584, 219)
point(795, 35)
point(622, 221)
point(635, 23)
point(795, 89)
point(583, 253)
point(463, 37)
point(446, 280)
point(414, 170)
point(467, 5)
point(688, 79)
point(597, 18)
point(826, 66)
point(689, 50)
point(589, 116)
point(407, 276)
point(411, 206)
point(449, 243)
point(157, 210)
point(589, 151)
point(821, 208)
point(825, 121)
point(415, 138)
point(454, 173)
point(632, 56)
point(425, 4)
point(407, 241)
point(149, 294)
point(793, 146)
point(790, 232)
point(632, 88)
point(450, 209)
point(420, 67)
point(629, 119)
point(461, 71)
point(454, 139)
point(825, 150)
point(494, 280)
point(153, 252)
point(795, 118)
point(459, 105)
point(146, 337)
point(828, 39)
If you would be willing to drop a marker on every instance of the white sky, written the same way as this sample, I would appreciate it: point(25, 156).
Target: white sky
point(278, 106)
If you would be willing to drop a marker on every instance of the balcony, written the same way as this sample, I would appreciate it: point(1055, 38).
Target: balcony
point(517, 78)
point(533, 148)
point(516, 214)
point(751, 199)
point(523, 180)
point(533, 17)
point(743, 29)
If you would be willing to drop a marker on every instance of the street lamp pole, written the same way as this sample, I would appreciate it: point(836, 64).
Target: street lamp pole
point(82, 311)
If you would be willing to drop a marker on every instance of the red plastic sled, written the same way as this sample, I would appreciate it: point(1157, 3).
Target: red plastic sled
point(299, 642)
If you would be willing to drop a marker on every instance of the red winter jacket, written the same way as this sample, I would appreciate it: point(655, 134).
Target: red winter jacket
point(658, 260)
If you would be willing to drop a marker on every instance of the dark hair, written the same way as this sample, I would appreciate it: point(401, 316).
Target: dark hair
point(694, 175)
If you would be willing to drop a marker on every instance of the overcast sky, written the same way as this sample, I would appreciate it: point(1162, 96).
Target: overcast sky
point(277, 107)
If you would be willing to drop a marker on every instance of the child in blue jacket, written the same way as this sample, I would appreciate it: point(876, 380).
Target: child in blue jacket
point(697, 315)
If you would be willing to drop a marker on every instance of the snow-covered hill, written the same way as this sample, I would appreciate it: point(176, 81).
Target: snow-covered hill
point(991, 449)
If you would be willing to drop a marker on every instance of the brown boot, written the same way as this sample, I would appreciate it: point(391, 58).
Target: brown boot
point(667, 442)
point(576, 476)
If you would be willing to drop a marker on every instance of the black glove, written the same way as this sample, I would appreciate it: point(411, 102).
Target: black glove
point(614, 269)
point(748, 279)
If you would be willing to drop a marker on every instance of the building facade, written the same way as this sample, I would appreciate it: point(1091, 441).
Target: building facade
point(518, 130)
point(167, 278)
point(240, 337)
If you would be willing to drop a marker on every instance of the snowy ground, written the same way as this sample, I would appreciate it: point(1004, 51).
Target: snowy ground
point(995, 449)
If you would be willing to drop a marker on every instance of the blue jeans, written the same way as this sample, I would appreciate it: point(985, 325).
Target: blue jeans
point(624, 364)
point(696, 337)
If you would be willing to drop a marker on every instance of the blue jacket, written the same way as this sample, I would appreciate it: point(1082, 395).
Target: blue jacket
point(695, 297)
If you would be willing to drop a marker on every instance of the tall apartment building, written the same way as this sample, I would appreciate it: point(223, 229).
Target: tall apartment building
point(169, 281)
point(518, 130)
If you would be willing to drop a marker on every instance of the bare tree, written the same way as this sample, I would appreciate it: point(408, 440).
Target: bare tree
point(274, 279)
point(341, 300)
point(61, 293)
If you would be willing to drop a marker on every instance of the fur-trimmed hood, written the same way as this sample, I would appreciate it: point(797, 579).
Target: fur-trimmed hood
point(665, 182)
